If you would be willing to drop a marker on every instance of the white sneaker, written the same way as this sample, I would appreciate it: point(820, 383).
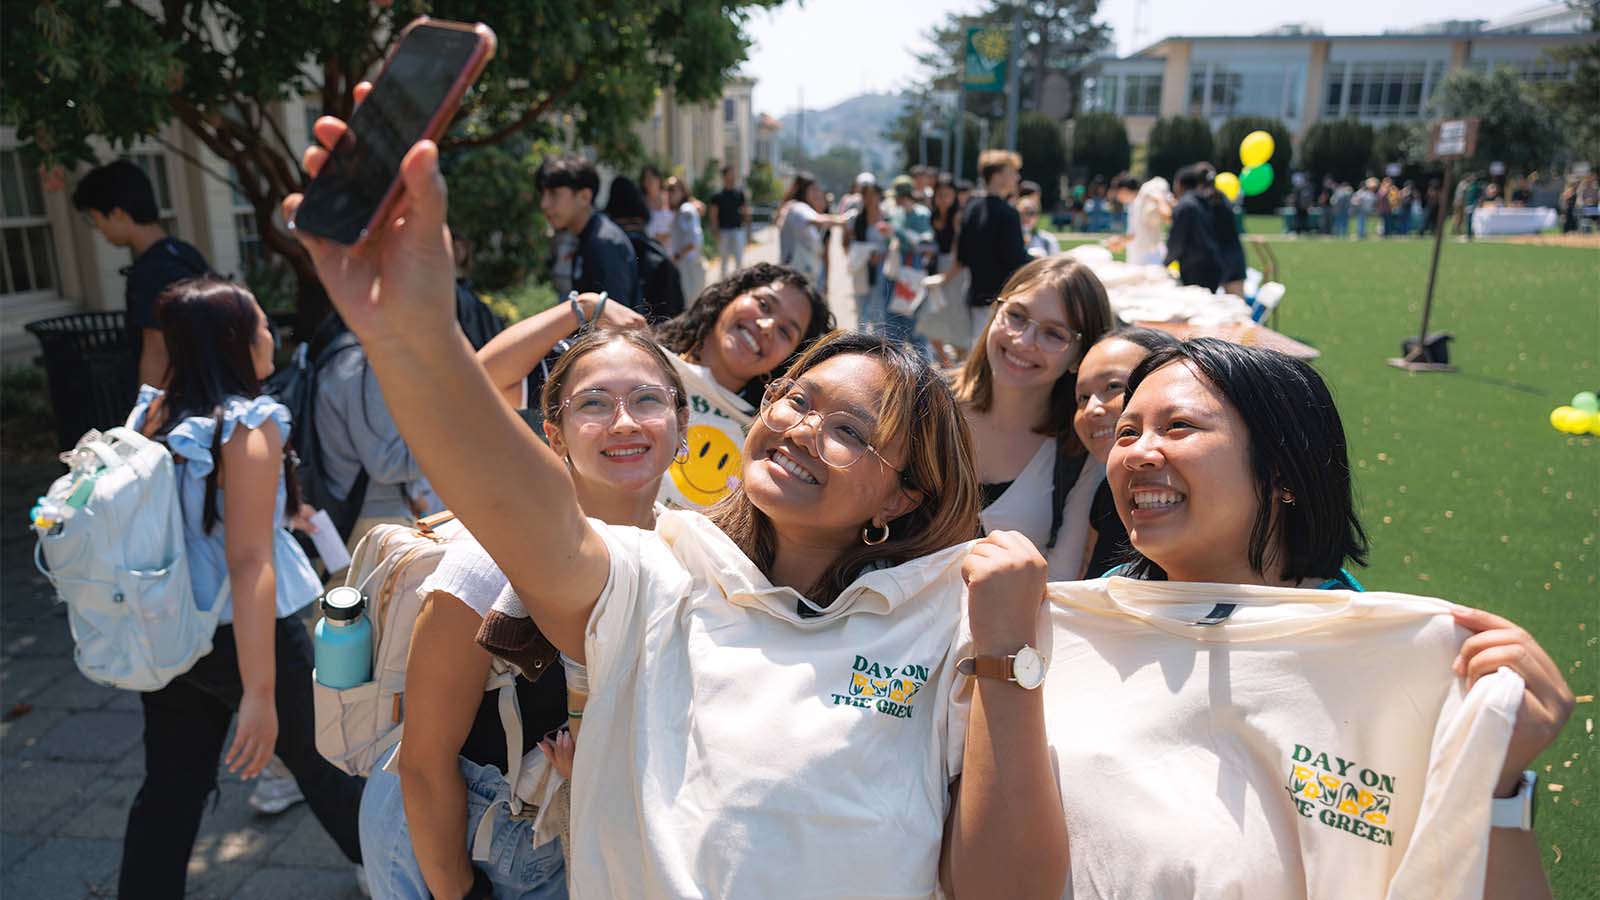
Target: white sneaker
point(275, 792)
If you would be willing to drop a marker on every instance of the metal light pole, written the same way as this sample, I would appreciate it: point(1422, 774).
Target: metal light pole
point(961, 132)
point(1013, 57)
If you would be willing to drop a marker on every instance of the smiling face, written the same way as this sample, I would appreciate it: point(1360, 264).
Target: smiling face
point(786, 478)
point(1016, 360)
point(629, 453)
point(1102, 380)
point(1181, 476)
point(756, 333)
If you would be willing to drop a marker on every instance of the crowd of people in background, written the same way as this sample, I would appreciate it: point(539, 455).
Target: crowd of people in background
point(713, 467)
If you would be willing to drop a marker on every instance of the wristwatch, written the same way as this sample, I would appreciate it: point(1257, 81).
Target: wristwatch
point(1516, 811)
point(1025, 667)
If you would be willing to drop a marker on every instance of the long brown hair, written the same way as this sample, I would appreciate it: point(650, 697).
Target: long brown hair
point(1088, 312)
point(939, 464)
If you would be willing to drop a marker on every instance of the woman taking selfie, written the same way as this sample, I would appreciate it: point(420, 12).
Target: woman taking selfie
point(1330, 742)
point(725, 348)
point(840, 555)
point(614, 411)
point(238, 495)
point(1018, 391)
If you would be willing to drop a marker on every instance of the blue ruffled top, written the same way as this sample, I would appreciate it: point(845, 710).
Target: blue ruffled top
point(190, 443)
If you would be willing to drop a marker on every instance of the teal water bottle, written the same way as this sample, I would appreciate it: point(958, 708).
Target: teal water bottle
point(343, 644)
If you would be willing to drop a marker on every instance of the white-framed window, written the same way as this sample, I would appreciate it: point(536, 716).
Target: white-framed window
point(1381, 90)
point(1220, 90)
point(28, 267)
point(1143, 95)
point(154, 165)
point(252, 254)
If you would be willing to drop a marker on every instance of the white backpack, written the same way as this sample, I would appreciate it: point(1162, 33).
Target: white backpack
point(111, 543)
point(356, 726)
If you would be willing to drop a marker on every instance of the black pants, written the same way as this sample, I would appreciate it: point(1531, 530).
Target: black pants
point(185, 724)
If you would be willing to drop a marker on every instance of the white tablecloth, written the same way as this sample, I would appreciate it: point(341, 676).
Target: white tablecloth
point(1512, 219)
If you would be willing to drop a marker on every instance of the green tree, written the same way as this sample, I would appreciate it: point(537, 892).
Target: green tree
point(1176, 142)
point(1400, 143)
point(762, 185)
point(1100, 144)
point(1341, 148)
point(1227, 157)
point(836, 169)
point(1058, 37)
point(1044, 156)
point(1577, 97)
point(709, 181)
point(494, 210)
point(71, 70)
point(906, 130)
point(1514, 126)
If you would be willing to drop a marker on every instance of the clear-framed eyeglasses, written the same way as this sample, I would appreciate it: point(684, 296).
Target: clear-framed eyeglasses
point(645, 403)
point(842, 438)
point(1014, 318)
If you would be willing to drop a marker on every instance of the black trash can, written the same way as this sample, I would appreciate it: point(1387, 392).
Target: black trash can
point(89, 368)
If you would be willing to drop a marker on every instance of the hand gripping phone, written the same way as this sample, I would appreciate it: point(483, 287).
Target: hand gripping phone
point(413, 98)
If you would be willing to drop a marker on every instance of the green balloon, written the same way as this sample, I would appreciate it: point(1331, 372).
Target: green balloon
point(1586, 401)
point(1255, 179)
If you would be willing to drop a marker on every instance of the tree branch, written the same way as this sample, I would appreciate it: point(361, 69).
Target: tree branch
point(523, 121)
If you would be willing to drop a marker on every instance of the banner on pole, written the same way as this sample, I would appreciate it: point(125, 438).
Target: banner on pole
point(986, 60)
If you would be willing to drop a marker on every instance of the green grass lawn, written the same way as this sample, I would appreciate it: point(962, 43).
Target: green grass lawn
point(1469, 494)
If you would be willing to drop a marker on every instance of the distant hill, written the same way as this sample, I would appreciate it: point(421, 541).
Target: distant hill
point(858, 122)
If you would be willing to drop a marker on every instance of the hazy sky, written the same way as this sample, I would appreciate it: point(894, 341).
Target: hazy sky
point(835, 49)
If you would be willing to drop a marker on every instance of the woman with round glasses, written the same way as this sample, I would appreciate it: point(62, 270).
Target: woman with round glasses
point(726, 347)
point(773, 707)
point(1018, 390)
point(614, 411)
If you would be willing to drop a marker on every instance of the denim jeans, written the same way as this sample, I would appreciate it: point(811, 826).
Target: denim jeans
point(730, 249)
point(519, 870)
point(185, 725)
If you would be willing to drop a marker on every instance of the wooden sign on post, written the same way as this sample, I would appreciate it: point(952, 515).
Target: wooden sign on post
point(1449, 140)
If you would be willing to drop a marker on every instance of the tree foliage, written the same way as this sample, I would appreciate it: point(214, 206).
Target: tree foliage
point(1341, 148)
point(1176, 142)
point(1227, 156)
point(71, 70)
point(763, 187)
point(1514, 127)
point(1058, 37)
point(837, 169)
point(1100, 144)
point(1577, 99)
point(915, 146)
point(1044, 156)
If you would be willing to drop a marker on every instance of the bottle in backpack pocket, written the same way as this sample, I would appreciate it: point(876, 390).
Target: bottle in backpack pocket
point(343, 643)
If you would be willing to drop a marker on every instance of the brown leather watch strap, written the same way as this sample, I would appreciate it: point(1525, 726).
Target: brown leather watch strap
point(989, 667)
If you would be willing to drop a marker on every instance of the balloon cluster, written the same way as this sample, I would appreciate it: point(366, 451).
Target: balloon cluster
point(1581, 416)
point(1256, 175)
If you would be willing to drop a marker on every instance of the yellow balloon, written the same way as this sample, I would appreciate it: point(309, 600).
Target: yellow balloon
point(1256, 148)
point(1228, 184)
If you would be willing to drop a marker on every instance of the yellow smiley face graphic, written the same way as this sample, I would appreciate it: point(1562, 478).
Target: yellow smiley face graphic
point(713, 462)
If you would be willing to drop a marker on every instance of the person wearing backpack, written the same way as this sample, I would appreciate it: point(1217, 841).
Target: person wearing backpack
point(616, 410)
point(238, 495)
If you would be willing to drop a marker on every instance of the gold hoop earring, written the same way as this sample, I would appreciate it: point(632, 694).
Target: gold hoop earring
point(1288, 497)
point(866, 535)
point(682, 456)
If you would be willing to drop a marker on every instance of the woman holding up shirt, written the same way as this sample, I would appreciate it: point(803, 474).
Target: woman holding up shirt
point(706, 767)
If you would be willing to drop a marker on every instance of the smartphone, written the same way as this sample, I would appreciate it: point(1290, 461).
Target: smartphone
point(413, 98)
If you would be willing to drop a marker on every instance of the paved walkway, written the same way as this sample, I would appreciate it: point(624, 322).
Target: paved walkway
point(71, 758)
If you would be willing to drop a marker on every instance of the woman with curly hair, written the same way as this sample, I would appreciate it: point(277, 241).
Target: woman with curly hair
point(726, 347)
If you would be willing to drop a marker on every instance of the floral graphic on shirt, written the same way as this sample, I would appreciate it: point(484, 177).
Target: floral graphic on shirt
point(1340, 793)
point(885, 688)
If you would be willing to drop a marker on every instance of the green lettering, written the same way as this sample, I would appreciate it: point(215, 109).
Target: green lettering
point(1344, 765)
point(861, 664)
point(1301, 754)
point(1322, 763)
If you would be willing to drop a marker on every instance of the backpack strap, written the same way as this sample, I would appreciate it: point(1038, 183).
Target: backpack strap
point(505, 681)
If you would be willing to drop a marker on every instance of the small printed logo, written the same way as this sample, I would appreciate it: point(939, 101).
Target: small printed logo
point(1341, 794)
point(887, 689)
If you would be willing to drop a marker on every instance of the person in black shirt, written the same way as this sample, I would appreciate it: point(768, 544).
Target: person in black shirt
point(729, 214)
point(1192, 243)
point(990, 241)
point(662, 286)
point(603, 259)
point(120, 201)
point(1230, 251)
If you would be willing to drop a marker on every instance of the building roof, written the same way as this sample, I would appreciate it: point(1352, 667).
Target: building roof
point(1389, 36)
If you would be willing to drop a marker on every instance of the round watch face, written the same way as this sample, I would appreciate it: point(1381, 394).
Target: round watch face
point(1028, 668)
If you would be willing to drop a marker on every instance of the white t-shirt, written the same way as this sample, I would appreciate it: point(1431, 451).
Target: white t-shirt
point(735, 748)
point(1315, 744)
point(1025, 507)
point(802, 240)
point(718, 421)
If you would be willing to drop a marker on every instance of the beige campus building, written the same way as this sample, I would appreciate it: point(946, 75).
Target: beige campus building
point(1300, 75)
